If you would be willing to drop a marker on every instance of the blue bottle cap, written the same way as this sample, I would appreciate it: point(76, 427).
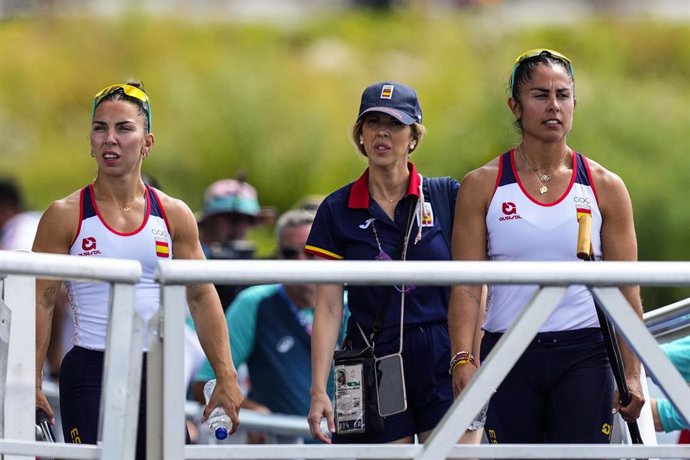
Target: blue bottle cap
point(221, 433)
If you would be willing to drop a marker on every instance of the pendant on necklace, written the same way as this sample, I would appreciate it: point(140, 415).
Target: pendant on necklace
point(544, 178)
point(126, 209)
point(543, 190)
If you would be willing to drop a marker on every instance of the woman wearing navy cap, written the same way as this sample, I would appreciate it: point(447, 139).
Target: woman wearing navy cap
point(119, 216)
point(525, 205)
point(390, 212)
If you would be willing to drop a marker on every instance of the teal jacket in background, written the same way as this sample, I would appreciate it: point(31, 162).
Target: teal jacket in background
point(678, 352)
point(273, 338)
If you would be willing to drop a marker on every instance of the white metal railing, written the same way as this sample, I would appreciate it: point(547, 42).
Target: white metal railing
point(19, 271)
point(669, 322)
point(167, 412)
point(674, 317)
point(552, 276)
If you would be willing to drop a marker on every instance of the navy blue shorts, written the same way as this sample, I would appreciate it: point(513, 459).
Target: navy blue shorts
point(81, 377)
point(426, 353)
point(559, 391)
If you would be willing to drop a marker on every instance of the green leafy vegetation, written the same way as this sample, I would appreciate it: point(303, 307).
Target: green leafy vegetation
point(277, 101)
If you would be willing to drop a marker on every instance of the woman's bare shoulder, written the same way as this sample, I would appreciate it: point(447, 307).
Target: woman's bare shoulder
point(482, 179)
point(178, 213)
point(58, 225)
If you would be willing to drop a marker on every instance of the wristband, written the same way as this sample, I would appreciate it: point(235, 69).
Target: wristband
point(461, 358)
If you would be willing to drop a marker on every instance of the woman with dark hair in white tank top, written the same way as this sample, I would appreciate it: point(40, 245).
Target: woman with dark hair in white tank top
point(119, 216)
point(524, 205)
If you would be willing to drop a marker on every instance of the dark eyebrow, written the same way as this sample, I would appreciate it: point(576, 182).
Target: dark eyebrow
point(546, 90)
point(119, 123)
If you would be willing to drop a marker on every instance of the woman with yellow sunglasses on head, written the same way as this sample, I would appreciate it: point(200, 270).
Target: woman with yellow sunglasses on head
point(525, 205)
point(119, 216)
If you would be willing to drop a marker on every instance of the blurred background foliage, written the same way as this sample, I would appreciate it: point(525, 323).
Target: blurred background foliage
point(276, 102)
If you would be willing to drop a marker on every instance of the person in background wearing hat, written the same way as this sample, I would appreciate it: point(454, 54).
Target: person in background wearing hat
point(230, 209)
point(120, 216)
point(526, 205)
point(374, 218)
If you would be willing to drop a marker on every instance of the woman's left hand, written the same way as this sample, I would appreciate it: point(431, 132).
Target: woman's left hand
point(228, 395)
point(631, 411)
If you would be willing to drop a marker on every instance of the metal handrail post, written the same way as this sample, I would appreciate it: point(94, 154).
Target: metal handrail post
point(166, 386)
point(173, 307)
point(5, 322)
point(121, 376)
point(20, 389)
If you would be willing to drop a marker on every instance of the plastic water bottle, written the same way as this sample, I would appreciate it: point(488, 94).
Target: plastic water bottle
point(218, 421)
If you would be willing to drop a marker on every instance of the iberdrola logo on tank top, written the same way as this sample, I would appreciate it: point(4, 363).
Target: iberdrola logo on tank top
point(88, 246)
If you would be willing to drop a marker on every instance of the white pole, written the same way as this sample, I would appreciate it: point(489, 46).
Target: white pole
point(20, 393)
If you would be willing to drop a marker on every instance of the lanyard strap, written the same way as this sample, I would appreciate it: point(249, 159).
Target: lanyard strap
point(378, 321)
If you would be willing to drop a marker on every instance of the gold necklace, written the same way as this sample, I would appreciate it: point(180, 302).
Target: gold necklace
point(130, 207)
point(542, 178)
point(386, 199)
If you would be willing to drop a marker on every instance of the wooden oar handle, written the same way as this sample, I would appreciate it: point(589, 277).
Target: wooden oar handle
point(584, 236)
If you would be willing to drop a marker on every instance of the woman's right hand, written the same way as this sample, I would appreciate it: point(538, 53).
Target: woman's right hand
point(320, 408)
point(42, 403)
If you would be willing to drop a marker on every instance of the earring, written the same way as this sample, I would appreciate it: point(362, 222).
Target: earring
point(413, 145)
point(361, 141)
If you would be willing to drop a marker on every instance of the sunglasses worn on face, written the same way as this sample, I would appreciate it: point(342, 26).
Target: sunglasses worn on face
point(128, 90)
point(539, 52)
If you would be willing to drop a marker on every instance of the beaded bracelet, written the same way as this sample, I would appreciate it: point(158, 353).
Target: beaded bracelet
point(461, 358)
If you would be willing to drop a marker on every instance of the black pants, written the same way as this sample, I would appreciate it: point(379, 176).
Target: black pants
point(559, 391)
point(81, 379)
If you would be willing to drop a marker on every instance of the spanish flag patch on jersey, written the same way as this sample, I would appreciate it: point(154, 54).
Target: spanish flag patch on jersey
point(162, 248)
point(583, 211)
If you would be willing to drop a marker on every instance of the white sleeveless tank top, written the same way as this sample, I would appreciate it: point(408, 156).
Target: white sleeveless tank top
point(521, 228)
point(147, 244)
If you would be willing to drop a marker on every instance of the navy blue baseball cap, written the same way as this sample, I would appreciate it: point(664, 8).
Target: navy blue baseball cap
point(393, 98)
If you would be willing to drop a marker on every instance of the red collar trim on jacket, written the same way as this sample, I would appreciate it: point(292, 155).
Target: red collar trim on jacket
point(359, 193)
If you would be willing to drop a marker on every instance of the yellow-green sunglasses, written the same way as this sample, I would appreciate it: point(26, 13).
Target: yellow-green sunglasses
point(538, 52)
point(129, 90)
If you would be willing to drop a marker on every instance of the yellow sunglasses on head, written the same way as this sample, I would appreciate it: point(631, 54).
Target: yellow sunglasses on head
point(539, 52)
point(128, 90)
